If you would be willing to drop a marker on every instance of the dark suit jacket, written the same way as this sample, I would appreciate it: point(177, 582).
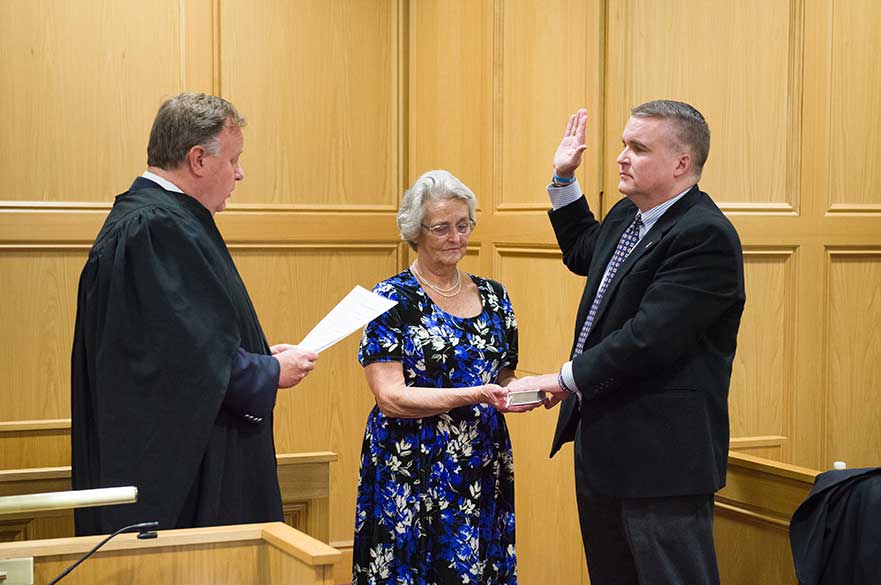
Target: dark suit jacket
point(657, 364)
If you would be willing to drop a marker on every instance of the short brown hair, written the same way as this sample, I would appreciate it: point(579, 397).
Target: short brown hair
point(187, 120)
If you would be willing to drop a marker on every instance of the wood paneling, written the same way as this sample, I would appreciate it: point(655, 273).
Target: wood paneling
point(752, 519)
point(451, 91)
point(545, 296)
point(39, 443)
point(292, 288)
point(752, 552)
point(533, 54)
point(853, 355)
point(854, 86)
point(707, 54)
point(318, 83)
point(80, 69)
point(761, 384)
point(39, 288)
point(530, 275)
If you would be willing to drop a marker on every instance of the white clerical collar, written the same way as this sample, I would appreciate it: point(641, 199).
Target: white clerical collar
point(164, 183)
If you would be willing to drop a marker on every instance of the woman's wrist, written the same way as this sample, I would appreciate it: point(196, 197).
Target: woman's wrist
point(475, 395)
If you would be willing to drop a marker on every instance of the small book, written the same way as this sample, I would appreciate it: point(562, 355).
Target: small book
point(525, 397)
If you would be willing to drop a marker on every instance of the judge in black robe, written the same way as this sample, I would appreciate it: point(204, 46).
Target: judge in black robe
point(173, 384)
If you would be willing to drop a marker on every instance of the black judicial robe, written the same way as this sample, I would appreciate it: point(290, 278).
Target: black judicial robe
point(161, 313)
point(835, 534)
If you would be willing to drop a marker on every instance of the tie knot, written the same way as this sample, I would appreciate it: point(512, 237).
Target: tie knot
point(637, 221)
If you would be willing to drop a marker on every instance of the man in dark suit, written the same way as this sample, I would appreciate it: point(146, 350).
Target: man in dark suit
point(645, 395)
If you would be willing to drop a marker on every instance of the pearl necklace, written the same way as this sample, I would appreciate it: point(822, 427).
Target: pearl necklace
point(444, 292)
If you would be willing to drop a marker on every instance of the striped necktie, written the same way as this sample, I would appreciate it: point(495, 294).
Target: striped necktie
point(628, 241)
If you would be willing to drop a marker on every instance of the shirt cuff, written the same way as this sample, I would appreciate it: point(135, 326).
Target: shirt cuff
point(563, 196)
point(569, 378)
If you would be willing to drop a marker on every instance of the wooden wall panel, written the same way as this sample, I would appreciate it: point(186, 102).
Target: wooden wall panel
point(707, 54)
point(35, 443)
point(450, 91)
point(39, 288)
point(852, 357)
point(88, 78)
point(854, 85)
point(545, 297)
point(317, 82)
point(752, 552)
point(292, 288)
point(544, 77)
point(761, 384)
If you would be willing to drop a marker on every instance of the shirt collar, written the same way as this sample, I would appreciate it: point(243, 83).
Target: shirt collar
point(162, 182)
point(651, 216)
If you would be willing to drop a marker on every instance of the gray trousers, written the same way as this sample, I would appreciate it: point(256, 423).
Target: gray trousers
point(646, 541)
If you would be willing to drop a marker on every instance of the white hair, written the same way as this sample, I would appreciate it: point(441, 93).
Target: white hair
point(431, 186)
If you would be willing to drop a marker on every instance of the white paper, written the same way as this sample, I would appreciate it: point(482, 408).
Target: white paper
point(357, 309)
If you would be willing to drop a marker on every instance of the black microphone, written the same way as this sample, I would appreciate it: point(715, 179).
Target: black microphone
point(144, 530)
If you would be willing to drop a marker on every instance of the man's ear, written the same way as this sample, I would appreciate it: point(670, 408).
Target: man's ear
point(196, 159)
point(683, 165)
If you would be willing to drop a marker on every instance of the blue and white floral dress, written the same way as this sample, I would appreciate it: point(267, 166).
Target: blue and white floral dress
point(436, 494)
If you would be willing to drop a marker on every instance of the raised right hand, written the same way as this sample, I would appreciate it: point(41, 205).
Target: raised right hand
point(295, 363)
point(568, 155)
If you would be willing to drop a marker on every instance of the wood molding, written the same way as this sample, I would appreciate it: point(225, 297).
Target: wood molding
point(764, 490)
point(279, 534)
point(752, 442)
point(862, 210)
point(762, 208)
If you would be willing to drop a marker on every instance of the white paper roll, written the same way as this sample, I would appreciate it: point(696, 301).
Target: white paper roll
point(67, 500)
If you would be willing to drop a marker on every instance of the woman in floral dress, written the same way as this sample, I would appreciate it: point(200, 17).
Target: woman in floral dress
point(436, 492)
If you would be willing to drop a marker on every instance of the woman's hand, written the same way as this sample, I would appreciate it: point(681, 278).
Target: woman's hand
point(498, 397)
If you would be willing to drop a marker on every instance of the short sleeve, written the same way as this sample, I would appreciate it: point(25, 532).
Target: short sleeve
point(383, 338)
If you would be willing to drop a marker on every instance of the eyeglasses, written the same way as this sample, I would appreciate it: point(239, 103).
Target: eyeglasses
point(443, 230)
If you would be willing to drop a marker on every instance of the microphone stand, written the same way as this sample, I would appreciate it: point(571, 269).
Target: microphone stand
point(144, 529)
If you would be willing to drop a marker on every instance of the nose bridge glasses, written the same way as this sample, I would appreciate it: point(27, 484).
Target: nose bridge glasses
point(442, 230)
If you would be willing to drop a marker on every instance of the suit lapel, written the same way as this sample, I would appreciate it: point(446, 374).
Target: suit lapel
point(604, 254)
point(651, 239)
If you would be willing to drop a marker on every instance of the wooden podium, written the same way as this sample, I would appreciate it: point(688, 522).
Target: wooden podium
point(258, 554)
